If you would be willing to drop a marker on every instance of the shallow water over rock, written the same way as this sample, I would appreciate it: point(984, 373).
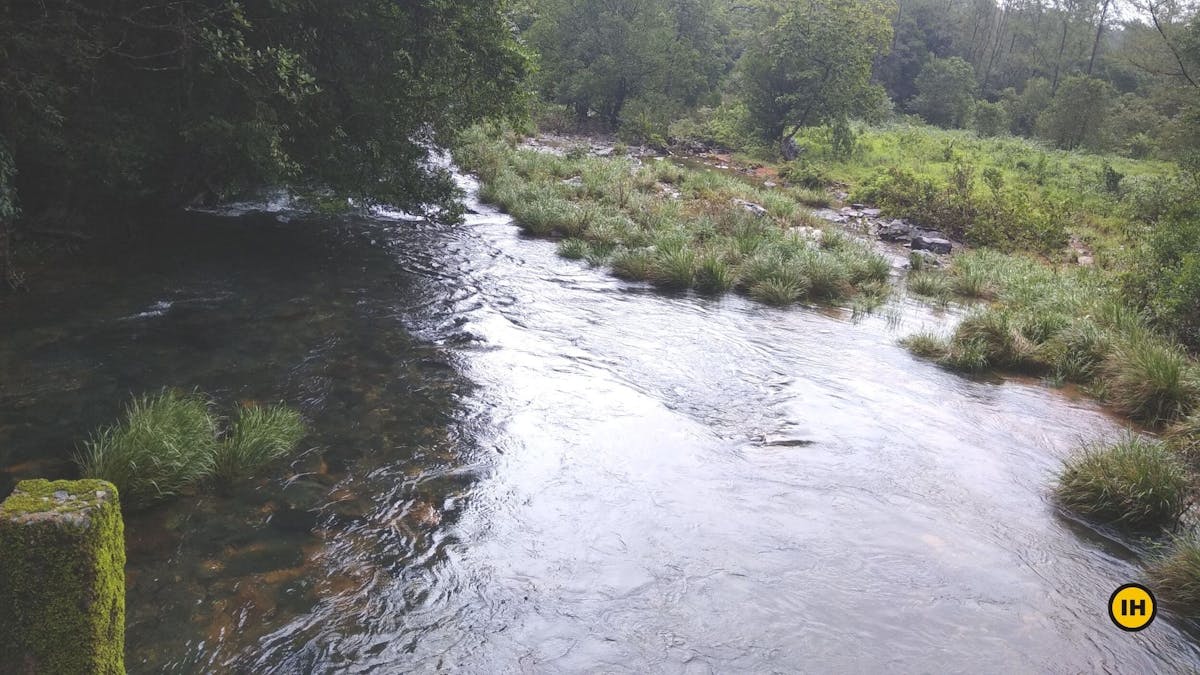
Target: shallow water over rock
point(522, 464)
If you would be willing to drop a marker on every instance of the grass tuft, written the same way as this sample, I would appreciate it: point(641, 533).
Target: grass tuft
point(259, 437)
point(1134, 483)
point(1176, 575)
point(163, 444)
point(1151, 381)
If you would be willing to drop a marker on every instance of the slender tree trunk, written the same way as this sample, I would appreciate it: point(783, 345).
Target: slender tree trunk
point(1062, 47)
point(1099, 32)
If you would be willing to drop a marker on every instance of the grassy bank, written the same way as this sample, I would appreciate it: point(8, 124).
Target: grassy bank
point(677, 227)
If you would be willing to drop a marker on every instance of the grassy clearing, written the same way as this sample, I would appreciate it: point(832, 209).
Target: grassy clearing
point(680, 228)
point(1069, 324)
point(1009, 193)
point(172, 441)
point(1134, 483)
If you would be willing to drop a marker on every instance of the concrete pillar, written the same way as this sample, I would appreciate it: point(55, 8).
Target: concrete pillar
point(62, 579)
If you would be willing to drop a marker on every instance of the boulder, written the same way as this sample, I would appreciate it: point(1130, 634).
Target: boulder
point(932, 244)
point(897, 230)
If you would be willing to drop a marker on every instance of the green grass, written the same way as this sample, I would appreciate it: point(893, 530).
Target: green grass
point(1151, 381)
point(1184, 438)
point(162, 445)
point(170, 442)
point(615, 212)
point(259, 436)
point(1069, 324)
point(1176, 575)
point(1134, 483)
point(927, 344)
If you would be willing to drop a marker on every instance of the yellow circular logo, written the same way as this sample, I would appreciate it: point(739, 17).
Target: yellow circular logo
point(1132, 607)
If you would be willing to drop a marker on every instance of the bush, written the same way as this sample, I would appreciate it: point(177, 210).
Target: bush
point(164, 444)
point(1151, 380)
point(259, 437)
point(1176, 575)
point(1134, 483)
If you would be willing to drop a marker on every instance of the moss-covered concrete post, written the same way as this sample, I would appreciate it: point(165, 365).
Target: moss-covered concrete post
point(62, 579)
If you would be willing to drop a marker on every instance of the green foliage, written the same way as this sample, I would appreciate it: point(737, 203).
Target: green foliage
point(169, 442)
point(259, 436)
point(705, 239)
point(991, 119)
point(1134, 483)
point(927, 345)
point(1077, 114)
point(1176, 575)
point(945, 92)
point(630, 62)
point(1164, 276)
point(118, 105)
point(810, 63)
point(1151, 381)
point(163, 444)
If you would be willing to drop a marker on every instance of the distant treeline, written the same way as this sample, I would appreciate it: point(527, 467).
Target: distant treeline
point(1112, 75)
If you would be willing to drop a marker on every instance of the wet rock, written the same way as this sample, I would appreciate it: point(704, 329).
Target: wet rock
point(934, 244)
point(756, 209)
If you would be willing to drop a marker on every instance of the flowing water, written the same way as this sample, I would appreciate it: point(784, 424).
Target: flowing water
point(520, 464)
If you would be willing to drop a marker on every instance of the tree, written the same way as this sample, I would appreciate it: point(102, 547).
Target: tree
point(811, 64)
point(120, 106)
point(598, 56)
point(1078, 113)
point(945, 92)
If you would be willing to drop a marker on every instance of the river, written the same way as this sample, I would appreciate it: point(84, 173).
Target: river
point(521, 464)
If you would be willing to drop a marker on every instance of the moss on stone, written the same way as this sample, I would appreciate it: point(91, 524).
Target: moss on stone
point(62, 578)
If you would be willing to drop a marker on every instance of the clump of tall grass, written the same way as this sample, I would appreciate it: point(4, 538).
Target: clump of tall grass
point(779, 291)
point(1176, 575)
point(1134, 483)
point(828, 277)
point(171, 441)
point(1151, 380)
point(573, 249)
point(162, 445)
point(259, 436)
point(713, 274)
point(1184, 438)
point(928, 284)
point(927, 344)
point(675, 268)
point(635, 264)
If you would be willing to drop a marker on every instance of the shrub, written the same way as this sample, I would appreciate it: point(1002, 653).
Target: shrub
point(1176, 575)
point(1151, 380)
point(1134, 483)
point(259, 436)
point(164, 444)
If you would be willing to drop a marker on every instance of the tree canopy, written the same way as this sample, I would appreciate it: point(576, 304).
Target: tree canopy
point(164, 102)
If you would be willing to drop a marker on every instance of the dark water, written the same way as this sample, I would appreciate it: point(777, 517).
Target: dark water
point(522, 465)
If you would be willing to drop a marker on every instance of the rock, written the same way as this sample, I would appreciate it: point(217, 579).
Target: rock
point(897, 230)
point(770, 184)
point(1086, 260)
point(933, 244)
point(872, 213)
point(575, 181)
point(860, 207)
point(756, 209)
point(62, 578)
